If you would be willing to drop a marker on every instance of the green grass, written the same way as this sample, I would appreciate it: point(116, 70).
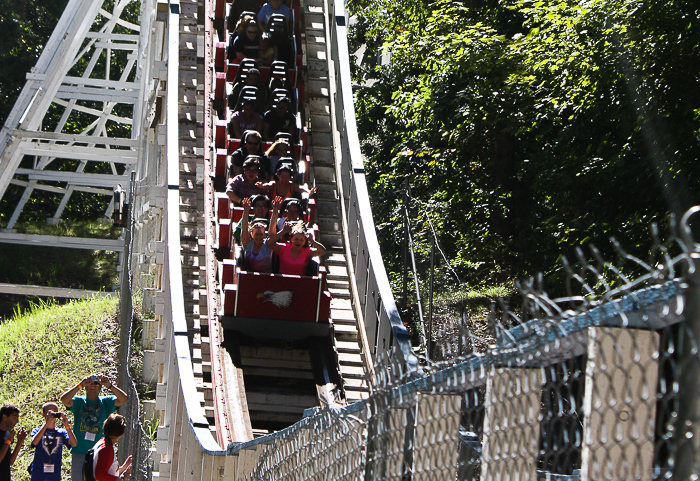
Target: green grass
point(49, 349)
point(476, 305)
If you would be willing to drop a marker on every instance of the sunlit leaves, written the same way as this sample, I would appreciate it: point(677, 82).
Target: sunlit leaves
point(541, 124)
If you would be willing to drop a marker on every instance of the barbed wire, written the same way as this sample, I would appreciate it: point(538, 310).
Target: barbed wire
point(583, 386)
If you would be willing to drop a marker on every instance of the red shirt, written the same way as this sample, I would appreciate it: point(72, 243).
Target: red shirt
point(104, 463)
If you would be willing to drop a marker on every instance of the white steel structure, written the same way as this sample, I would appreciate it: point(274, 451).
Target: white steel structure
point(77, 125)
point(90, 77)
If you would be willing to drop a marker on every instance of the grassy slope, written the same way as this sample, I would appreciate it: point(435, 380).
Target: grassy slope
point(49, 349)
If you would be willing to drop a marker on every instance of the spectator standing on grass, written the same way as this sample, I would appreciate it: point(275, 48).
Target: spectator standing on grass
point(48, 442)
point(105, 466)
point(9, 417)
point(90, 412)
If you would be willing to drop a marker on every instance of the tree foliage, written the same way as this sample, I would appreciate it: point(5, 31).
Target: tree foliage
point(531, 127)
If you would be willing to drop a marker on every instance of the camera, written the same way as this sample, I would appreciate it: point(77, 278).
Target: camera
point(56, 415)
point(95, 378)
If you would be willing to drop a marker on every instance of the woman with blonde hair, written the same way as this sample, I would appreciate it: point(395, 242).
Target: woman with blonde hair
point(278, 150)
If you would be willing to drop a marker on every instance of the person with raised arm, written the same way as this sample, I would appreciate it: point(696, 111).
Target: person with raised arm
point(295, 255)
point(260, 205)
point(9, 417)
point(105, 466)
point(48, 442)
point(89, 414)
point(258, 255)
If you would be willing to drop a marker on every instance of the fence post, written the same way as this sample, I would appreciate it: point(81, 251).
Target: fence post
point(687, 442)
point(511, 427)
point(429, 334)
point(405, 246)
point(125, 304)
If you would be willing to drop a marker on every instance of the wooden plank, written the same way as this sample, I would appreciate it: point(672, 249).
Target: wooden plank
point(511, 425)
point(122, 37)
point(275, 353)
point(83, 139)
point(67, 92)
point(90, 82)
point(248, 459)
point(237, 409)
point(61, 190)
point(350, 358)
point(620, 404)
point(274, 363)
point(94, 244)
point(93, 180)
point(436, 438)
point(277, 372)
point(44, 291)
point(190, 464)
point(281, 402)
point(81, 152)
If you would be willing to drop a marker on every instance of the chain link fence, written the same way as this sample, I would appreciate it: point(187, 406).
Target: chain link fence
point(601, 384)
point(135, 442)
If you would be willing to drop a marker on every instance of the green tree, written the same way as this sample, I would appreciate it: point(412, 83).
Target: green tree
point(26, 27)
point(531, 127)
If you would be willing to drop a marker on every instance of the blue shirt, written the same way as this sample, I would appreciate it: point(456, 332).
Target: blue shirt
point(47, 455)
point(266, 12)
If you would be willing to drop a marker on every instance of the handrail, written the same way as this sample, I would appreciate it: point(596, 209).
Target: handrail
point(195, 415)
point(385, 329)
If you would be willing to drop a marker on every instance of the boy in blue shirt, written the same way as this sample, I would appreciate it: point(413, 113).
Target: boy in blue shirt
point(48, 442)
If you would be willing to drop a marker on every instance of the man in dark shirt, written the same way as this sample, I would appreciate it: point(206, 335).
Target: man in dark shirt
point(279, 119)
point(9, 417)
point(250, 145)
